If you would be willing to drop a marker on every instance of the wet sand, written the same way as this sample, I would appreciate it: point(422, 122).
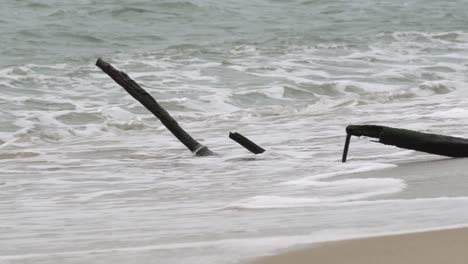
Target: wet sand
point(432, 247)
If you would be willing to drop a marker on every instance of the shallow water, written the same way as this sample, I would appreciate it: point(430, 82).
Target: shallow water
point(88, 175)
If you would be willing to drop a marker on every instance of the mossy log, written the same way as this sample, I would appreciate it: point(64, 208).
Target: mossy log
point(154, 107)
point(409, 139)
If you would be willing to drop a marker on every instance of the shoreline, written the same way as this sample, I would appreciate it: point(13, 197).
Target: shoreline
point(421, 247)
point(428, 179)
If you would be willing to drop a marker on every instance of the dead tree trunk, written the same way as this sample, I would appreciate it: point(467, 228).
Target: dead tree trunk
point(153, 106)
point(409, 139)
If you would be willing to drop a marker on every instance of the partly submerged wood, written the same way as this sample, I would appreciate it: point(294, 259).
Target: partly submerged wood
point(409, 139)
point(153, 106)
point(246, 143)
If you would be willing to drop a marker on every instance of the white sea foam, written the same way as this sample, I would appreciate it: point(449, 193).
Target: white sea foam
point(455, 113)
point(276, 202)
point(345, 169)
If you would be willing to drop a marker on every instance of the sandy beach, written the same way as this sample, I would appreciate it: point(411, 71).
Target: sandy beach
point(432, 247)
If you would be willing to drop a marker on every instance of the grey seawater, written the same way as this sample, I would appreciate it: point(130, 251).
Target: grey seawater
point(89, 176)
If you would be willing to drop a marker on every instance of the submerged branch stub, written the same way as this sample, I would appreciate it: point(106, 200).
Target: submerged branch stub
point(246, 143)
point(154, 107)
point(346, 148)
point(410, 139)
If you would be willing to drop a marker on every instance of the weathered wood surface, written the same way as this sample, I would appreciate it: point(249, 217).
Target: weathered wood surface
point(246, 143)
point(409, 139)
point(153, 106)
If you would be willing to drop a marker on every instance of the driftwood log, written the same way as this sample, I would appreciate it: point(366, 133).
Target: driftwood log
point(409, 139)
point(153, 106)
point(246, 143)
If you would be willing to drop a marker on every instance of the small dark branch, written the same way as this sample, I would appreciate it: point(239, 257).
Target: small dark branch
point(153, 106)
point(246, 143)
point(346, 147)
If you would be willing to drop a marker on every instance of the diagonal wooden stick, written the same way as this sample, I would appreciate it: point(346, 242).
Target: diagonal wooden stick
point(153, 106)
point(246, 143)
